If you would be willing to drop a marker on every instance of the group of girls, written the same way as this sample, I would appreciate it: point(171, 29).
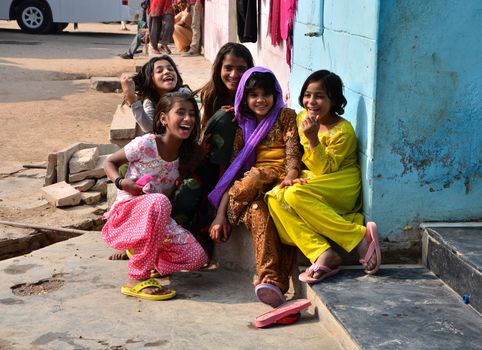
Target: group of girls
point(293, 180)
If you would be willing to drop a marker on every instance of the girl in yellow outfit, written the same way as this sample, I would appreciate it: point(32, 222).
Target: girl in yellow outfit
point(325, 201)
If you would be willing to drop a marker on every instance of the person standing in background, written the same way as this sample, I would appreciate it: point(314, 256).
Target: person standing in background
point(197, 13)
point(161, 24)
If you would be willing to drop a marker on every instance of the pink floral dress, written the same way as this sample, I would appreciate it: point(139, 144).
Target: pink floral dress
point(143, 223)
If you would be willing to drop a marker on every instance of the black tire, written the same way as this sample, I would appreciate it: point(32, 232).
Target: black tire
point(57, 28)
point(34, 16)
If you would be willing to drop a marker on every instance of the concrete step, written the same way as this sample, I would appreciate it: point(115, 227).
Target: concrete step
point(402, 307)
point(454, 253)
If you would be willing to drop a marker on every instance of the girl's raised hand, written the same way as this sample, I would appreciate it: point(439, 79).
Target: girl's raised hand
point(128, 88)
point(310, 127)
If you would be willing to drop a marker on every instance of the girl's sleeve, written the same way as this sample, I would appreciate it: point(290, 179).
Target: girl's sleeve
point(133, 149)
point(143, 113)
point(291, 139)
point(238, 143)
point(331, 152)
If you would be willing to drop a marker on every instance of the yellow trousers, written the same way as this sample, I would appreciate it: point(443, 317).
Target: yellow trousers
point(325, 207)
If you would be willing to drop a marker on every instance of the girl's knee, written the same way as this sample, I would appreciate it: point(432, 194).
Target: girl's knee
point(158, 204)
point(291, 195)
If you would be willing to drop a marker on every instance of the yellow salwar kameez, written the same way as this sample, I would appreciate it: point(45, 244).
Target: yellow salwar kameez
point(327, 205)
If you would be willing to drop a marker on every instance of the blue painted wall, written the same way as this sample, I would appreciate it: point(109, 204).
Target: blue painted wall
point(413, 79)
point(347, 46)
point(428, 139)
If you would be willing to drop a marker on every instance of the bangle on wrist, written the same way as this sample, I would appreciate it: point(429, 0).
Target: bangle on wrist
point(117, 182)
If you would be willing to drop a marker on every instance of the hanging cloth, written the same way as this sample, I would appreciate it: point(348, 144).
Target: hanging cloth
point(274, 22)
point(287, 17)
point(247, 16)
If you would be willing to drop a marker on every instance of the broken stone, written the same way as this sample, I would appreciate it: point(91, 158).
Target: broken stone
point(105, 84)
point(51, 173)
point(64, 155)
point(84, 159)
point(101, 186)
point(83, 185)
point(123, 124)
point(95, 173)
point(61, 194)
point(90, 198)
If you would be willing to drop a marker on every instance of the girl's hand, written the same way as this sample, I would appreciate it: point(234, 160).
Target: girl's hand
point(130, 186)
point(128, 88)
point(220, 229)
point(291, 182)
point(310, 127)
point(227, 108)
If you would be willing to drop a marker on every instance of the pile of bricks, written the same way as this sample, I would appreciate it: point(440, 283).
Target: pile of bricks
point(75, 175)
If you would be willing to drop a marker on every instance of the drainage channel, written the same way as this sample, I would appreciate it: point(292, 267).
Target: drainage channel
point(42, 236)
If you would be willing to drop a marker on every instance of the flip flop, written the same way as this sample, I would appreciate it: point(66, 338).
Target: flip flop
point(286, 313)
point(136, 291)
point(304, 277)
point(373, 248)
point(269, 294)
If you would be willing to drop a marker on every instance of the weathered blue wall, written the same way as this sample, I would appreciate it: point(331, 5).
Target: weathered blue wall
point(347, 46)
point(428, 140)
point(413, 79)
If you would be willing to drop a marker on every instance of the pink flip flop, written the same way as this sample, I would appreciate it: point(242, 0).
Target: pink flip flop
point(304, 277)
point(269, 294)
point(373, 248)
point(286, 313)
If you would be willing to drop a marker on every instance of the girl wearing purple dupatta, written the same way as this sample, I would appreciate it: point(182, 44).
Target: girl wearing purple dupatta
point(267, 153)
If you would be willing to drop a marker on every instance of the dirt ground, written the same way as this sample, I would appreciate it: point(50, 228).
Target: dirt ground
point(46, 103)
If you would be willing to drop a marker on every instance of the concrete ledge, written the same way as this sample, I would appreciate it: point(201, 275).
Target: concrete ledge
point(402, 307)
point(454, 254)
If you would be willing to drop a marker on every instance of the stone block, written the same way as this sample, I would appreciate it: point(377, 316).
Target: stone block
point(90, 198)
point(95, 173)
point(51, 172)
point(111, 194)
point(101, 186)
point(63, 156)
point(83, 185)
point(105, 84)
point(84, 159)
point(61, 194)
point(123, 124)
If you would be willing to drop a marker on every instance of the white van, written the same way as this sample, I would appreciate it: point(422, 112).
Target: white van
point(50, 16)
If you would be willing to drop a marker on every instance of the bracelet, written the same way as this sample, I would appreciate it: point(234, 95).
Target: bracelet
point(117, 182)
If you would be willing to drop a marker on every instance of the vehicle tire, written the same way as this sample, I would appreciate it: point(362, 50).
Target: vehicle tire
point(34, 16)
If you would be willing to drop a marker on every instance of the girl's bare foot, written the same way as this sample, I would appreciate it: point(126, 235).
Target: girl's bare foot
point(328, 258)
point(372, 262)
point(119, 255)
point(149, 290)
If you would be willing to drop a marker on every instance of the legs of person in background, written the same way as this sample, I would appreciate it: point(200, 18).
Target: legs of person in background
point(155, 23)
point(197, 20)
point(167, 28)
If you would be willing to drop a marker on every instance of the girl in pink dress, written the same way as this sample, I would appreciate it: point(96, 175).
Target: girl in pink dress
point(139, 219)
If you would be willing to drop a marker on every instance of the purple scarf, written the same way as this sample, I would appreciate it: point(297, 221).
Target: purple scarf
point(252, 134)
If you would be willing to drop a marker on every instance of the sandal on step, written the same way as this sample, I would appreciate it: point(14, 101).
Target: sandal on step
point(373, 248)
point(287, 313)
point(136, 291)
point(269, 294)
point(305, 276)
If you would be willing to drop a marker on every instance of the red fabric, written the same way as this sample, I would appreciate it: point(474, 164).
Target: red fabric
point(159, 7)
point(280, 25)
point(274, 22)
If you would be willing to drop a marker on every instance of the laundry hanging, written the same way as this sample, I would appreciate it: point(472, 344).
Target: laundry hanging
point(280, 25)
point(247, 16)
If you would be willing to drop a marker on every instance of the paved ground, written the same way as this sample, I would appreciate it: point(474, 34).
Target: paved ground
point(214, 309)
point(46, 104)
